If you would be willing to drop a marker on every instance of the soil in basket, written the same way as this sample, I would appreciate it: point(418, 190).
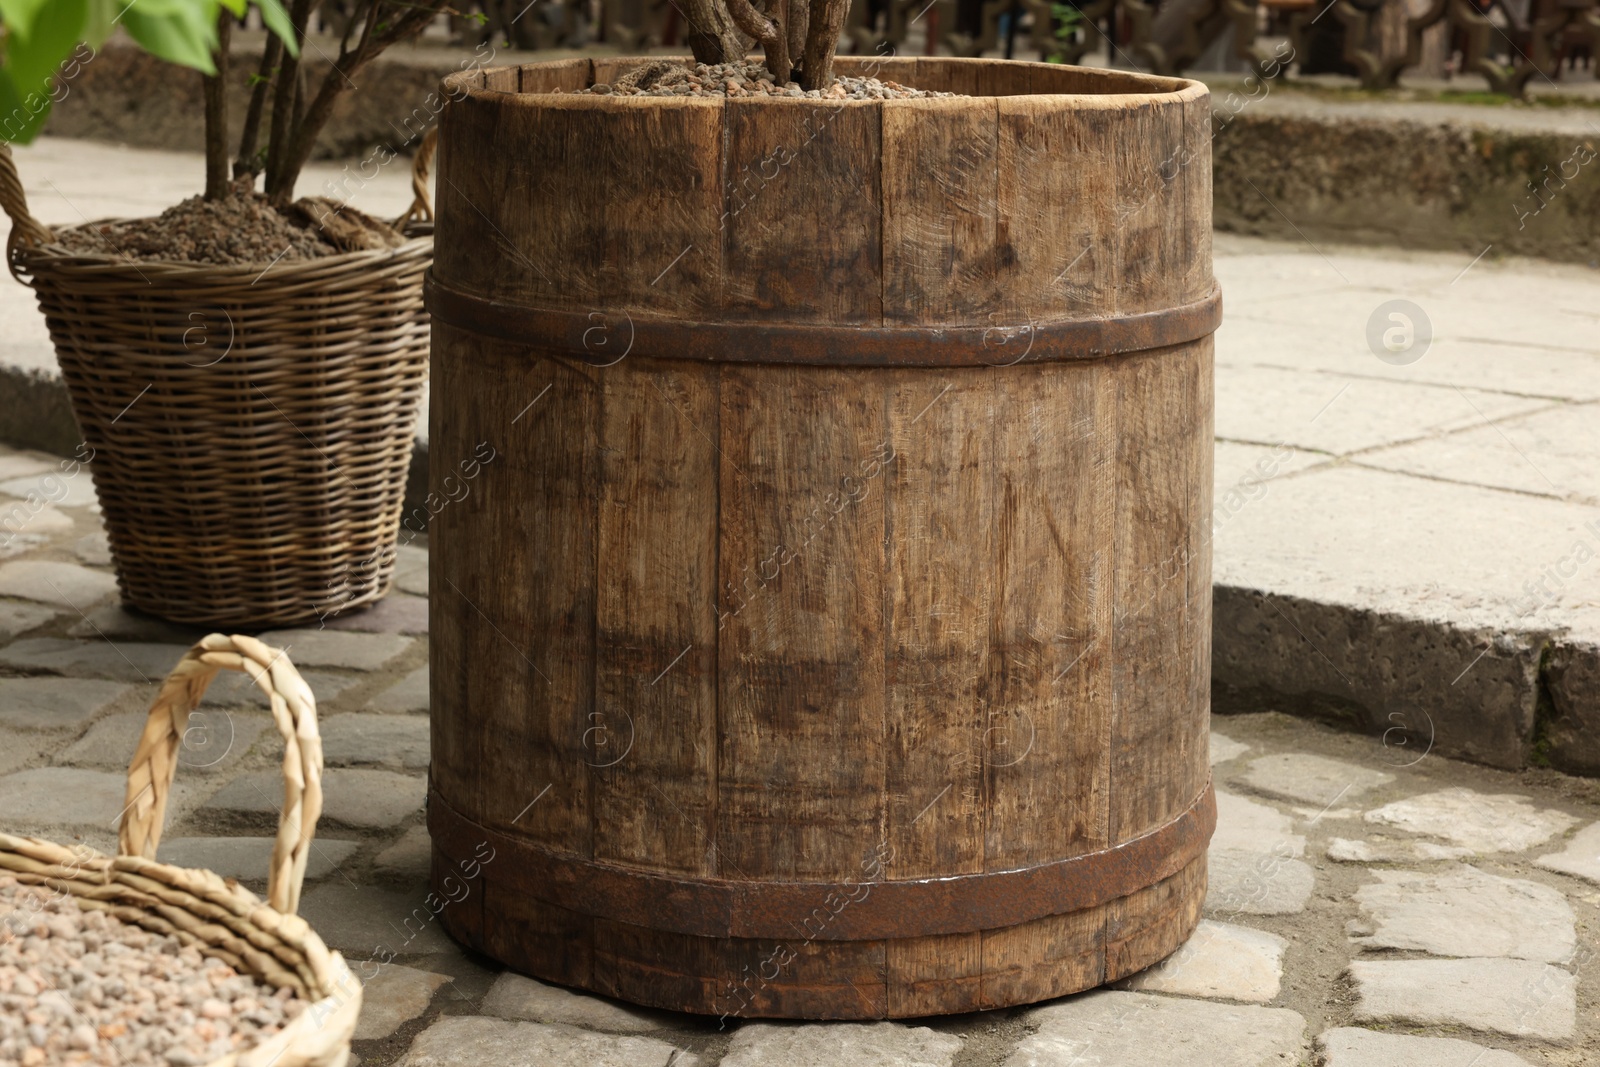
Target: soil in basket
point(80, 987)
point(668, 78)
point(243, 229)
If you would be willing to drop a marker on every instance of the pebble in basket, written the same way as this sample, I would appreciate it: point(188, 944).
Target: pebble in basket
point(217, 918)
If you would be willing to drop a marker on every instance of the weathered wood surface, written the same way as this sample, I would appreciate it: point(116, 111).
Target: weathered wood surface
point(751, 623)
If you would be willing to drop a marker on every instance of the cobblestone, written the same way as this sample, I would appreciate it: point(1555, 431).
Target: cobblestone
point(1219, 961)
point(126, 661)
point(1224, 749)
point(369, 923)
point(1313, 779)
point(247, 858)
point(825, 1045)
point(67, 585)
point(1581, 858)
point(55, 703)
point(1482, 822)
point(1465, 913)
point(1516, 997)
point(67, 796)
point(1115, 1029)
point(1351, 1046)
point(393, 997)
point(527, 1000)
point(469, 1041)
point(409, 857)
point(1386, 850)
point(367, 799)
point(19, 616)
point(334, 648)
point(212, 742)
point(407, 696)
point(376, 740)
point(394, 614)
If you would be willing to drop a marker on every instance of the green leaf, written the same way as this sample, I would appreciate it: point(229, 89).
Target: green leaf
point(31, 61)
point(187, 36)
point(20, 15)
point(21, 114)
point(276, 19)
point(103, 15)
point(238, 7)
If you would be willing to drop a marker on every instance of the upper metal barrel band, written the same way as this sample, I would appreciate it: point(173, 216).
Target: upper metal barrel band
point(602, 337)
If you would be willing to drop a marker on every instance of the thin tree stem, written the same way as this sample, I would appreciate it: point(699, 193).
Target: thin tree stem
point(245, 162)
point(215, 90)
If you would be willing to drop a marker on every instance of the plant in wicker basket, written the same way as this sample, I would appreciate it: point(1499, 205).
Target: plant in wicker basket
point(246, 368)
point(264, 939)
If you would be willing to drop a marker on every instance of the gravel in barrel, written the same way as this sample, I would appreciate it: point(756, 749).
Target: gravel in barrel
point(668, 78)
point(80, 987)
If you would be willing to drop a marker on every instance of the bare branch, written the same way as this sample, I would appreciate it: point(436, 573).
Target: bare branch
point(822, 41)
point(215, 91)
point(245, 162)
point(771, 36)
point(713, 38)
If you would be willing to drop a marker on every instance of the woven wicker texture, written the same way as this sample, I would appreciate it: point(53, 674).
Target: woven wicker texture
point(252, 426)
point(198, 907)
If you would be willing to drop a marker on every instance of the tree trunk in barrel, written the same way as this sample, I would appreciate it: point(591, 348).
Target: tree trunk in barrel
point(829, 634)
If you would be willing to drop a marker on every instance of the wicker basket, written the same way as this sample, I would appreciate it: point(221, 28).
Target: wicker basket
point(251, 426)
point(267, 940)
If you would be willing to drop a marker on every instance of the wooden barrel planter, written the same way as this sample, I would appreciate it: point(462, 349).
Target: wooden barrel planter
point(829, 634)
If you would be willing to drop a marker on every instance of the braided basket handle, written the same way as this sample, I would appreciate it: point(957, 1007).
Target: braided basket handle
point(155, 761)
point(25, 229)
point(421, 209)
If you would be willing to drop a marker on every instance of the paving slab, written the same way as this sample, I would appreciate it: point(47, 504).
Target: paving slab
point(393, 997)
point(93, 549)
point(1484, 822)
point(365, 799)
point(1313, 779)
point(408, 696)
point(1220, 961)
point(1581, 858)
point(20, 464)
point(20, 616)
point(1115, 1029)
point(68, 585)
point(1386, 850)
point(68, 796)
point(234, 689)
point(355, 739)
point(367, 922)
point(1464, 912)
point(334, 648)
point(28, 522)
point(516, 997)
point(1547, 453)
point(1250, 826)
point(247, 858)
point(881, 1044)
point(396, 613)
point(76, 491)
point(1324, 413)
point(1256, 883)
point(55, 703)
point(472, 1041)
point(411, 570)
point(1352, 1046)
point(115, 622)
point(1519, 998)
point(17, 750)
point(212, 742)
point(411, 857)
point(126, 661)
point(1224, 749)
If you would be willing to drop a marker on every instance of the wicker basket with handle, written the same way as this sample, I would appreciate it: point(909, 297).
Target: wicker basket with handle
point(251, 426)
point(220, 918)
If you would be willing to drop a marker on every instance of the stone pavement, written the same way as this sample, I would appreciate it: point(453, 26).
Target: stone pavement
point(1372, 904)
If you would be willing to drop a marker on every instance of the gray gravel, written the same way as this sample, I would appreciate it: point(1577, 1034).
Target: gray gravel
point(80, 987)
